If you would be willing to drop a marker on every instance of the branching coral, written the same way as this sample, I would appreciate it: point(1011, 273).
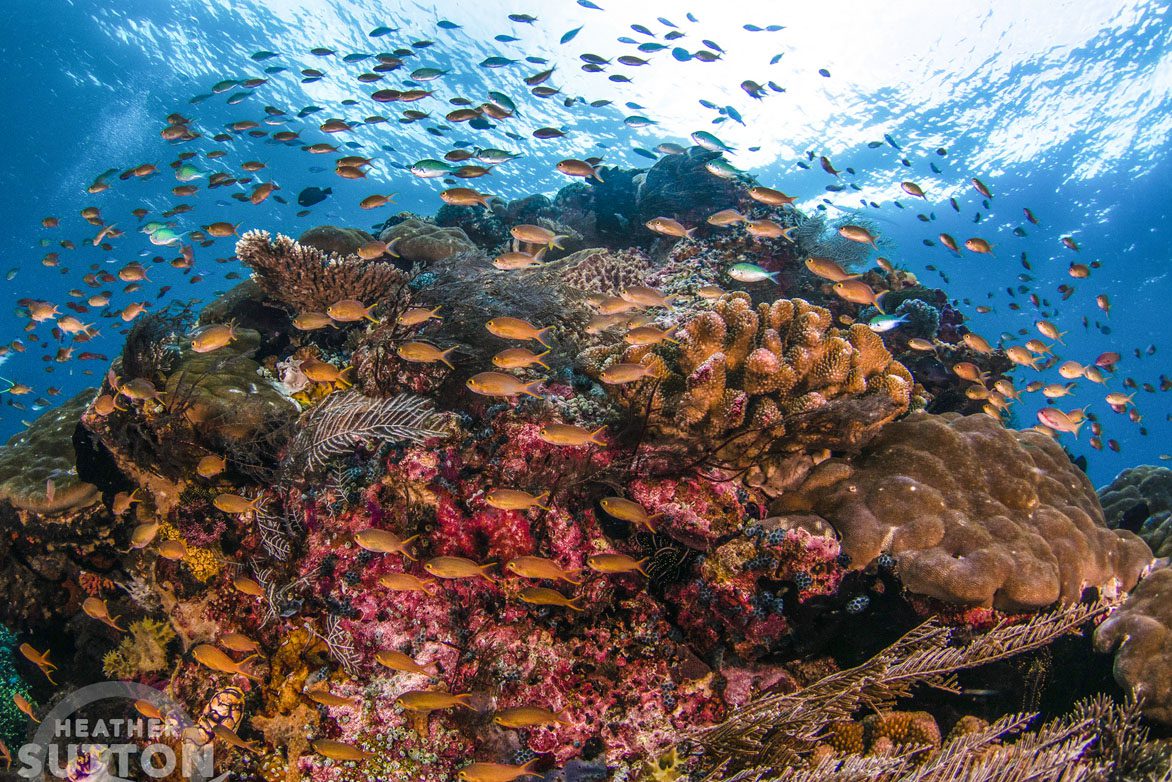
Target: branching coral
point(974, 514)
point(772, 379)
point(310, 280)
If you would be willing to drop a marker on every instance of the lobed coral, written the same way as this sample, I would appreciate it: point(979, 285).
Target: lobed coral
point(974, 515)
point(1140, 500)
point(775, 378)
point(421, 241)
point(1140, 634)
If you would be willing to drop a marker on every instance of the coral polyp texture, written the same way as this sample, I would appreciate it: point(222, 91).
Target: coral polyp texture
point(975, 515)
point(1141, 631)
point(388, 508)
point(754, 381)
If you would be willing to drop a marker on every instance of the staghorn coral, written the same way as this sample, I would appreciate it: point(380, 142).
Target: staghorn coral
point(772, 379)
point(309, 279)
point(974, 514)
point(1140, 634)
point(142, 651)
point(1140, 500)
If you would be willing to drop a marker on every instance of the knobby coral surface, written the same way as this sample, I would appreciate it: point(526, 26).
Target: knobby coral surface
point(1141, 631)
point(974, 514)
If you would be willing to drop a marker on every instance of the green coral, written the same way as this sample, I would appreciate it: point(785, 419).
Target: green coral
point(142, 651)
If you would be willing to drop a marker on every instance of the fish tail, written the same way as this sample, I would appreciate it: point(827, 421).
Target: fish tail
point(572, 604)
point(484, 571)
point(530, 389)
point(527, 768)
point(464, 699)
point(688, 232)
point(639, 566)
point(773, 277)
point(879, 306)
point(329, 190)
point(542, 363)
point(597, 175)
point(594, 436)
point(403, 548)
point(540, 336)
point(556, 244)
point(391, 250)
point(444, 356)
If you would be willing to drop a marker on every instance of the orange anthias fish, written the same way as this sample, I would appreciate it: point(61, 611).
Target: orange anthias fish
point(96, 608)
point(24, 706)
point(497, 772)
point(397, 661)
point(458, 567)
point(337, 750)
point(540, 567)
point(39, 659)
point(432, 700)
point(381, 541)
point(214, 658)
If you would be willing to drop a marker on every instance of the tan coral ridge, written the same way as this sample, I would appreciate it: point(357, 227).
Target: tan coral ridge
point(772, 377)
point(1141, 632)
point(974, 514)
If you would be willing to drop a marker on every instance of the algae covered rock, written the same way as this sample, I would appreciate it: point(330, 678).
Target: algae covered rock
point(38, 467)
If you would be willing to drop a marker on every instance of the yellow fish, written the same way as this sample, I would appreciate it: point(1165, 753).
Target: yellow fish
point(24, 706)
point(210, 466)
point(337, 750)
point(515, 328)
point(540, 567)
point(235, 504)
point(39, 659)
point(319, 694)
point(518, 358)
point(397, 661)
point(349, 311)
point(458, 567)
point(628, 511)
point(381, 541)
point(543, 596)
point(618, 374)
point(238, 642)
point(828, 269)
point(213, 337)
point(570, 435)
point(424, 353)
point(97, 609)
point(431, 700)
point(528, 717)
point(417, 315)
point(500, 384)
point(497, 772)
point(514, 499)
point(248, 586)
point(535, 234)
point(405, 582)
point(214, 658)
point(312, 321)
point(615, 563)
point(858, 292)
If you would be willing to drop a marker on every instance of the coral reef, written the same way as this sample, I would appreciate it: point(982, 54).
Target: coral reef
point(38, 467)
point(614, 513)
point(1140, 633)
point(1140, 500)
point(974, 515)
point(309, 279)
point(774, 379)
point(424, 242)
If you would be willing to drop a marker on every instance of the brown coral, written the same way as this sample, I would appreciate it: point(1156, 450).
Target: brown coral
point(1141, 633)
point(309, 279)
point(608, 272)
point(425, 242)
point(771, 379)
point(975, 514)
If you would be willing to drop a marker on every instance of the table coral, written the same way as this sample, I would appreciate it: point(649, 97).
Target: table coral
point(974, 514)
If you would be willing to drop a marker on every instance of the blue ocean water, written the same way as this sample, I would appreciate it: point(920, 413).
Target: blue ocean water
point(1059, 107)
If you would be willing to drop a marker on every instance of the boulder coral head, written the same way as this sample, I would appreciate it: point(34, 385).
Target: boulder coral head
point(974, 515)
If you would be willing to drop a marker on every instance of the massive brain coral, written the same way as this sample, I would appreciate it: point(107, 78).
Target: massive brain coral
point(974, 514)
point(776, 377)
point(1141, 630)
